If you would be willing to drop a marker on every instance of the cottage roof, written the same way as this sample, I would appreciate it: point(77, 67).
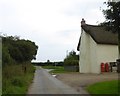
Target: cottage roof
point(100, 35)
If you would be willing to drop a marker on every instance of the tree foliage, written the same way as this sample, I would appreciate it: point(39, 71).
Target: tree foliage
point(17, 50)
point(71, 59)
point(112, 15)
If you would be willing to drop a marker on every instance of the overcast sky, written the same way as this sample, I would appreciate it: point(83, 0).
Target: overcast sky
point(54, 25)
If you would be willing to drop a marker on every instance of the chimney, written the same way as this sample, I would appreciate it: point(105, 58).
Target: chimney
point(83, 22)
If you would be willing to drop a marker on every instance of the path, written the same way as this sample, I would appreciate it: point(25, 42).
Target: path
point(44, 83)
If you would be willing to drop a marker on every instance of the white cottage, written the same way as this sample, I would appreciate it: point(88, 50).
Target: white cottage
point(96, 45)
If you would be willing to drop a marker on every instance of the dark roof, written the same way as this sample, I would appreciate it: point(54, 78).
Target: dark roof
point(100, 35)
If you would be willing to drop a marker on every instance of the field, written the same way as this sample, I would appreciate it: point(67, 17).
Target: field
point(56, 69)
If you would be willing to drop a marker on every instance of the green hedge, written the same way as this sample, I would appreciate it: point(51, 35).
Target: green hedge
point(71, 63)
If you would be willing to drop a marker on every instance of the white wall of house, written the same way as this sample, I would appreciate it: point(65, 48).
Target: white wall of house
point(84, 60)
point(93, 54)
point(107, 53)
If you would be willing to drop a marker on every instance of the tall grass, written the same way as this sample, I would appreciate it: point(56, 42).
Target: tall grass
point(15, 79)
point(0, 77)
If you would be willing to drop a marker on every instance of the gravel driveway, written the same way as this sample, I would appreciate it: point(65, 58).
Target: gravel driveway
point(78, 81)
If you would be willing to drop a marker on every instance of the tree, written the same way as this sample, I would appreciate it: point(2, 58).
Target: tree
point(28, 49)
point(18, 50)
point(6, 58)
point(71, 59)
point(112, 15)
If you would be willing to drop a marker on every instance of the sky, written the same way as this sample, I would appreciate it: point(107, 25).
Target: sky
point(54, 25)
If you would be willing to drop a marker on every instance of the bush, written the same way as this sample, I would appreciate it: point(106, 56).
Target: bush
point(71, 63)
point(72, 59)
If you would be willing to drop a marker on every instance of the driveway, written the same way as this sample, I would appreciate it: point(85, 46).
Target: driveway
point(78, 80)
point(44, 83)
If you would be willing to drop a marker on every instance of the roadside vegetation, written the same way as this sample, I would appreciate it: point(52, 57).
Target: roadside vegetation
point(15, 81)
point(17, 70)
point(0, 72)
point(71, 62)
point(106, 87)
point(71, 59)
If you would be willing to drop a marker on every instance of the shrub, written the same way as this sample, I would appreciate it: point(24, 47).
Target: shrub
point(72, 59)
point(71, 63)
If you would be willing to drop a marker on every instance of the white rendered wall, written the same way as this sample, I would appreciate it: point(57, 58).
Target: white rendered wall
point(84, 60)
point(93, 57)
point(107, 53)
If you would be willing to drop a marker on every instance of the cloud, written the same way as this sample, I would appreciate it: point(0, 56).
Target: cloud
point(53, 24)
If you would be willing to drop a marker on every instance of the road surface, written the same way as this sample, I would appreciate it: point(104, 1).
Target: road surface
point(44, 83)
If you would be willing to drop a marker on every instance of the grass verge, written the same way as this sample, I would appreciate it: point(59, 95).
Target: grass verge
point(106, 87)
point(15, 80)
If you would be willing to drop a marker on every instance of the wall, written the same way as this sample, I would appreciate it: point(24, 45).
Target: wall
point(93, 57)
point(107, 53)
point(84, 60)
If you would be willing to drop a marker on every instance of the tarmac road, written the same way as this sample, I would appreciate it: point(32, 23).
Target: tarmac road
point(44, 83)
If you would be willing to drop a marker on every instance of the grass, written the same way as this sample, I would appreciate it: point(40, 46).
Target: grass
point(106, 87)
point(56, 69)
point(0, 92)
point(15, 81)
point(0, 79)
point(48, 67)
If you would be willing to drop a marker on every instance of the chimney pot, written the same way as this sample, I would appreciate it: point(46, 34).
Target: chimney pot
point(83, 22)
